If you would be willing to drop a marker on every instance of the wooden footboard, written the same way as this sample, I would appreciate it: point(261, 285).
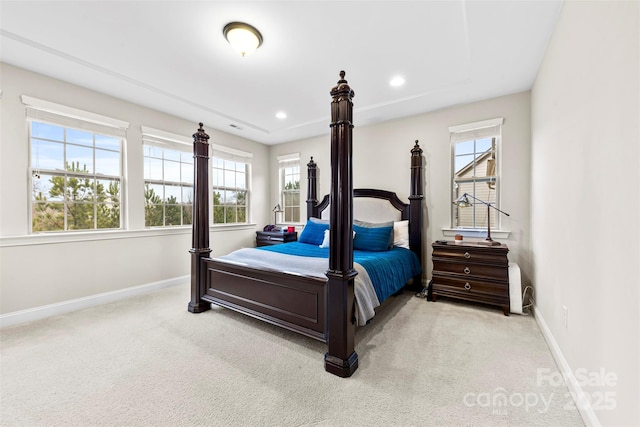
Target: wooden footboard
point(293, 302)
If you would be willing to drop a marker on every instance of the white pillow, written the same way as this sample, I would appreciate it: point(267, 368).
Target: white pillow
point(401, 234)
point(325, 241)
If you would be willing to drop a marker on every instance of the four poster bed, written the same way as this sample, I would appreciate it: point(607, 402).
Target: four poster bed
point(320, 300)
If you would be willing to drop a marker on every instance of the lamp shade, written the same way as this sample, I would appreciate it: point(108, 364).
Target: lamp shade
point(242, 37)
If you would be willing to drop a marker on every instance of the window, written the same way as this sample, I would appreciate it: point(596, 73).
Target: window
point(475, 150)
point(289, 167)
point(76, 168)
point(168, 178)
point(231, 178)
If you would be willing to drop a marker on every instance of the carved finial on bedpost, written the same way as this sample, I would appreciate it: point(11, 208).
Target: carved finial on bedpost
point(200, 135)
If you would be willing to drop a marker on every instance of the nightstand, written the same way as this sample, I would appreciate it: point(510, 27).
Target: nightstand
point(264, 238)
point(471, 271)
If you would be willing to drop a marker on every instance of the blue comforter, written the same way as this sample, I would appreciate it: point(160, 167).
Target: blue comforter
point(388, 270)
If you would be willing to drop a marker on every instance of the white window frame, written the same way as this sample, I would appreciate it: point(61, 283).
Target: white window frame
point(285, 162)
point(491, 128)
point(69, 118)
point(162, 140)
point(225, 153)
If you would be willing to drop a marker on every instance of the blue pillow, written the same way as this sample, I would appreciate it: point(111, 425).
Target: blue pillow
point(313, 233)
point(371, 239)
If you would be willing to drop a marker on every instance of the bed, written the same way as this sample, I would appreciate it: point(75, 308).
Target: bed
point(304, 300)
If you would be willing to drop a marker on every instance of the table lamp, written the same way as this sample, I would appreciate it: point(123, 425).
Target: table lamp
point(463, 201)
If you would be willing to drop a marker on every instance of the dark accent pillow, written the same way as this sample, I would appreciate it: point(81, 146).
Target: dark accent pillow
point(371, 239)
point(313, 233)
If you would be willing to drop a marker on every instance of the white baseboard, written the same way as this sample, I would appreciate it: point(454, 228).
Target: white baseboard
point(581, 401)
point(37, 313)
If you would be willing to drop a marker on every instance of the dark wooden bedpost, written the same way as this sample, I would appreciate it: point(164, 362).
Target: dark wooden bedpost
point(341, 358)
point(415, 207)
point(200, 229)
point(312, 189)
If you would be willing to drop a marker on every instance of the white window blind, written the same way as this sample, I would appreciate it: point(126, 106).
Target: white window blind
point(62, 115)
point(476, 130)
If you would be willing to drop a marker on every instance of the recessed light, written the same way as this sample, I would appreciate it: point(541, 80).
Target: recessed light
point(397, 81)
point(281, 115)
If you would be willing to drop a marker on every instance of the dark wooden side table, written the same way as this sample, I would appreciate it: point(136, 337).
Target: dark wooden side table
point(264, 238)
point(472, 272)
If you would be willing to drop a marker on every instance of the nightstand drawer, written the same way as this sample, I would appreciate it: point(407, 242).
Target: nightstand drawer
point(461, 268)
point(470, 286)
point(462, 254)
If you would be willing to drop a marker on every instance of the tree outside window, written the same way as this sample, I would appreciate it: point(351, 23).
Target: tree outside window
point(75, 178)
point(230, 192)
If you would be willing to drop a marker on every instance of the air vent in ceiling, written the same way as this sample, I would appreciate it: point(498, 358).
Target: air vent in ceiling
point(235, 126)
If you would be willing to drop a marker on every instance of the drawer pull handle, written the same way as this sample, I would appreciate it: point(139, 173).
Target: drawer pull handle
point(466, 270)
point(467, 286)
point(467, 255)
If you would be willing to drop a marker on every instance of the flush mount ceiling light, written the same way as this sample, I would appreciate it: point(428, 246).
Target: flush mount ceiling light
point(397, 81)
point(281, 115)
point(242, 37)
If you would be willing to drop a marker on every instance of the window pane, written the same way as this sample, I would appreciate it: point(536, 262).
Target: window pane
point(170, 154)
point(153, 169)
point(47, 155)
point(108, 190)
point(241, 180)
point(187, 195)
point(108, 162)
point(108, 142)
point(218, 163)
point(172, 193)
point(466, 147)
point(229, 165)
point(151, 151)
point(462, 162)
point(156, 193)
point(186, 174)
point(483, 145)
point(80, 137)
point(218, 214)
point(79, 159)
point(187, 216)
point(108, 215)
point(47, 188)
point(218, 178)
point(229, 178)
point(80, 216)
point(172, 214)
point(47, 217)
point(171, 171)
point(242, 214)
point(46, 131)
point(186, 157)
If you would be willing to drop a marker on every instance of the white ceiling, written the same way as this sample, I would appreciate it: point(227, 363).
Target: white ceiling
point(171, 56)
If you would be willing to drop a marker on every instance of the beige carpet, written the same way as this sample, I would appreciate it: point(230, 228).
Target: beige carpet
point(147, 361)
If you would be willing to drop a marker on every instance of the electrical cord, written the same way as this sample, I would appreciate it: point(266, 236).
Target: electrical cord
point(527, 304)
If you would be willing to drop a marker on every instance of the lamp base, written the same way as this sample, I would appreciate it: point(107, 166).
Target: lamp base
point(490, 243)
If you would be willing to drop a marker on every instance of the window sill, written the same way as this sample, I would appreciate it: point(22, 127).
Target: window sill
point(476, 233)
point(92, 236)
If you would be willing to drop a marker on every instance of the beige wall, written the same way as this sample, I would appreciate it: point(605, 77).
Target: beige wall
point(382, 153)
point(584, 198)
point(42, 270)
